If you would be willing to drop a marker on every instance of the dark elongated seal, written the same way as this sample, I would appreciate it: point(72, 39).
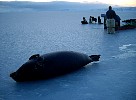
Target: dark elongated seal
point(51, 64)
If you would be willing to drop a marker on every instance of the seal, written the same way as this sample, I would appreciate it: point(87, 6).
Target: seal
point(51, 65)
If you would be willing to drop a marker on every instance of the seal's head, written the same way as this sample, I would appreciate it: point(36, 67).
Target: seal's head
point(28, 71)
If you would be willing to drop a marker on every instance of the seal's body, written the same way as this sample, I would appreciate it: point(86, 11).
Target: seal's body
point(52, 64)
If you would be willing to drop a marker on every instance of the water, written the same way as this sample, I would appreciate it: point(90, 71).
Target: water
point(25, 34)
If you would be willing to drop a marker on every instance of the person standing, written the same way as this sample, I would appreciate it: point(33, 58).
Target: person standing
point(99, 20)
point(84, 21)
point(110, 13)
point(117, 20)
point(110, 20)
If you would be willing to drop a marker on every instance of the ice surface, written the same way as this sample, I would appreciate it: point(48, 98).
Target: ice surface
point(128, 50)
point(25, 34)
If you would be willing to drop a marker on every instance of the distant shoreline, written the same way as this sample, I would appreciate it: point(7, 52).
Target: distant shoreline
point(16, 6)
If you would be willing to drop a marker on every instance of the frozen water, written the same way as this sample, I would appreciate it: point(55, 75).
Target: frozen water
point(24, 34)
point(128, 50)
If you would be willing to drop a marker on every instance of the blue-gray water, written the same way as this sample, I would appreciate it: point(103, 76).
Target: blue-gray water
point(24, 34)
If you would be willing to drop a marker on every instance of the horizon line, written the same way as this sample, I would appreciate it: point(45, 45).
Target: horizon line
point(85, 2)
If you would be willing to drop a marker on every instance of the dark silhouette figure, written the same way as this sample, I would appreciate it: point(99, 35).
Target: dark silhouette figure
point(90, 19)
point(94, 19)
point(105, 27)
point(110, 13)
point(99, 20)
point(84, 21)
point(117, 22)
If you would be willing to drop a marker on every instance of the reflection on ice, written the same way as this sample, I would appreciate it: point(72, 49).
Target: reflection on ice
point(124, 47)
point(128, 50)
point(129, 47)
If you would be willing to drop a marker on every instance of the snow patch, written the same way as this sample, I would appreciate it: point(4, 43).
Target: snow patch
point(128, 50)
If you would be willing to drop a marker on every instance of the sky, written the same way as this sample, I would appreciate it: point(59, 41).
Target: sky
point(114, 2)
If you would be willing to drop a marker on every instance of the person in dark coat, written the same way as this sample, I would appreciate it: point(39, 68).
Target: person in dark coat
point(110, 13)
point(84, 21)
point(117, 19)
point(99, 20)
point(90, 19)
